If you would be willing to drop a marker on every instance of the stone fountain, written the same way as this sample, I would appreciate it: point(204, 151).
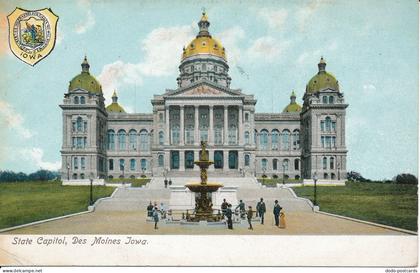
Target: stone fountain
point(203, 203)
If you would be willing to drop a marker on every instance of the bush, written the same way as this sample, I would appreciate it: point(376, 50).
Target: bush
point(143, 176)
point(356, 177)
point(275, 176)
point(264, 176)
point(406, 178)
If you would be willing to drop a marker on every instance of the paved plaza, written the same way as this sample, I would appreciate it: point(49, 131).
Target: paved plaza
point(125, 213)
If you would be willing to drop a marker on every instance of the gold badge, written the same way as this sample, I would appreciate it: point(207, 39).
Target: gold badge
point(32, 34)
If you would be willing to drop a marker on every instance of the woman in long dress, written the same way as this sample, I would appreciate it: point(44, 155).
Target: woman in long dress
point(282, 219)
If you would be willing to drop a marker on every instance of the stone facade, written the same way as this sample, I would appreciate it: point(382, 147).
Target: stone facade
point(101, 142)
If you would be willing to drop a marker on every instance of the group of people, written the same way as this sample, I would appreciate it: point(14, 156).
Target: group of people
point(279, 216)
point(167, 182)
point(156, 212)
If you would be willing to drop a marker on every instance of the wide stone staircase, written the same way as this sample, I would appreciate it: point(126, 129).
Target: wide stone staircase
point(249, 190)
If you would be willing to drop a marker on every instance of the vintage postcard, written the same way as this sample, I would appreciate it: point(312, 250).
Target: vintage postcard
point(209, 133)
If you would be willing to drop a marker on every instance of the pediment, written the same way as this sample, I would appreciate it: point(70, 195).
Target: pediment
point(203, 90)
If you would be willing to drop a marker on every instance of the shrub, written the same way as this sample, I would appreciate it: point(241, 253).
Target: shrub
point(264, 176)
point(275, 176)
point(406, 178)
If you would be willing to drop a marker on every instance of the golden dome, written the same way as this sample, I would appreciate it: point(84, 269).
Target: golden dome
point(85, 80)
point(204, 43)
point(322, 80)
point(115, 107)
point(293, 106)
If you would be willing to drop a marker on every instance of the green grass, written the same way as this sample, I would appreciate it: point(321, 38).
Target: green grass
point(135, 182)
point(389, 204)
point(272, 182)
point(25, 202)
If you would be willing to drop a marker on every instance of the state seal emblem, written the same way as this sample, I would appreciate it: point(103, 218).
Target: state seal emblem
point(32, 34)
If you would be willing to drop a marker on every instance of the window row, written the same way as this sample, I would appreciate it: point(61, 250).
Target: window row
point(284, 140)
point(275, 164)
point(328, 142)
point(328, 99)
point(122, 165)
point(132, 140)
point(328, 125)
point(79, 100)
point(79, 162)
point(79, 142)
point(79, 125)
point(326, 160)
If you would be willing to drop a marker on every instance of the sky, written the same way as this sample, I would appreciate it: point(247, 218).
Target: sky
point(273, 47)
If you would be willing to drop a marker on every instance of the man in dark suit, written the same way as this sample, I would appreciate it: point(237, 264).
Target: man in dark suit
point(276, 212)
point(261, 210)
point(229, 216)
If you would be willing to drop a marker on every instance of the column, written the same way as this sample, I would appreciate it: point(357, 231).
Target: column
point(240, 126)
point(168, 132)
point(181, 126)
point(211, 131)
point(196, 157)
point(196, 133)
point(225, 126)
point(182, 160)
point(225, 160)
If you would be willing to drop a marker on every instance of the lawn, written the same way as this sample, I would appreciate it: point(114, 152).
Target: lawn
point(389, 204)
point(25, 202)
point(272, 182)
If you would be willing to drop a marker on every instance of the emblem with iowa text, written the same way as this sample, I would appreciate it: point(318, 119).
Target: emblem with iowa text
point(32, 34)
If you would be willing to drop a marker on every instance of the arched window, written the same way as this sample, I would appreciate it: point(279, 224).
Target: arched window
point(247, 160)
point(296, 139)
point(132, 164)
point(285, 139)
point(132, 138)
point(296, 164)
point(160, 160)
point(111, 140)
point(82, 100)
point(143, 163)
point(76, 100)
point(331, 100)
point(275, 162)
point(247, 138)
point(218, 135)
point(189, 135)
point(161, 138)
point(175, 135)
point(264, 139)
point(325, 99)
point(232, 134)
point(144, 140)
point(275, 139)
point(324, 163)
point(328, 124)
point(264, 164)
point(79, 124)
point(122, 164)
point(285, 164)
point(331, 163)
point(121, 139)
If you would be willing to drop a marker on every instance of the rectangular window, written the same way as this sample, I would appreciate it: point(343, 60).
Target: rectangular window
point(333, 125)
point(82, 163)
point(85, 126)
point(111, 164)
point(79, 143)
point(246, 117)
point(323, 141)
point(132, 165)
point(75, 163)
point(322, 126)
point(74, 126)
point(204, 135)
point(218, 137)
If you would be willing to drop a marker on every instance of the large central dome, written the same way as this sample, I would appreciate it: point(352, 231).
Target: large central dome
point(204, 43)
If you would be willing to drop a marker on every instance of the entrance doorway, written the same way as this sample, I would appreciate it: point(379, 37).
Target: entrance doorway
point(175, 160)
point(218, 159)
point(189, 159)
point(233, 159)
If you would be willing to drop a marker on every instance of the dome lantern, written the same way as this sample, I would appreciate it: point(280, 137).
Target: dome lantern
point(204, 26)
point(321, 65)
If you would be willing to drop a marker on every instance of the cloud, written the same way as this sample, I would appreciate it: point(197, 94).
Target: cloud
point(9, 118)
point(89, 20)
point(305, 13)
point(369, 88)
point(36, 155)
point(162, 50)
point(230, 39)
point(267, 48)
point(275, 18)
point(60, 36)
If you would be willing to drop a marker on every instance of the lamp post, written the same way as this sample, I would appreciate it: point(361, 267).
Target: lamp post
point(284, 170)
point(338, 168)
point(68, 171)
point(255, 167)
point(91, 189)
point(315, 177)
point(151, 166)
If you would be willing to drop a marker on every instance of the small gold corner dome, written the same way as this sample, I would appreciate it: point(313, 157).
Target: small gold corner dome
point(85, 81)
point(115, 107)
point(204, 43)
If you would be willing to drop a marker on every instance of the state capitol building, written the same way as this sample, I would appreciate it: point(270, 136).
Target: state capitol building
point(107, 142)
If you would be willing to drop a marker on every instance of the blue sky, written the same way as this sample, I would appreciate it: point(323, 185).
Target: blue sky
point(372, 49)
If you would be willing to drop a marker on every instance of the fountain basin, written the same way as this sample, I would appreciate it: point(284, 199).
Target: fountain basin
point(208, 187)
point(203, 163)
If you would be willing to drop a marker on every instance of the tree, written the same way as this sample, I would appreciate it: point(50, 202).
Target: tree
point(406, 178)
point(356, 177)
